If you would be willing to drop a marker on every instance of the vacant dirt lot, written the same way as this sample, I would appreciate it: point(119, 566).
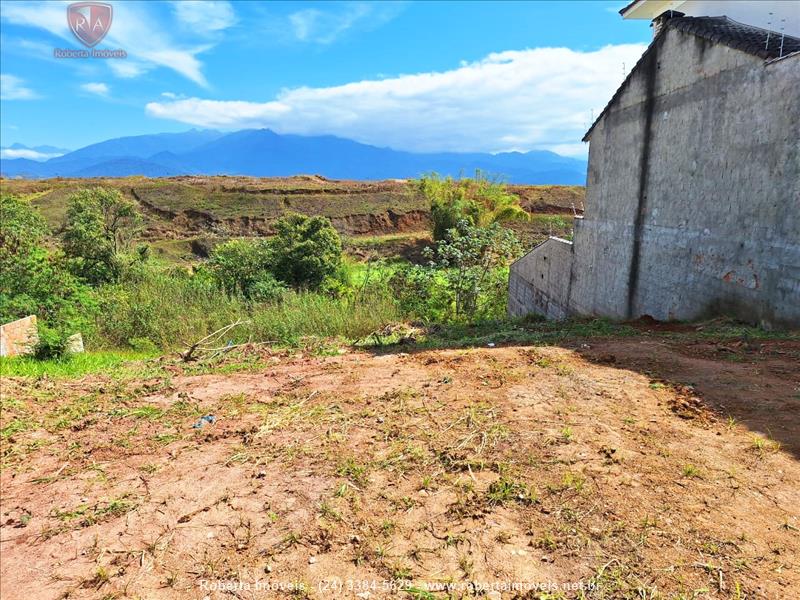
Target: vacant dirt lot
point(637, 468)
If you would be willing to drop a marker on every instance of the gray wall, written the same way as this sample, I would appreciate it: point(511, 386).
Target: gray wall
point(539, 281)
point(693, 198)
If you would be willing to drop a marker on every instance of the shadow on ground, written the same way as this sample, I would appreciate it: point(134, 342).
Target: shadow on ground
point(742, 375)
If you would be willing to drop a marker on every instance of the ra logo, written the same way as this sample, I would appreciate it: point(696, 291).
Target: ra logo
point(89, 21)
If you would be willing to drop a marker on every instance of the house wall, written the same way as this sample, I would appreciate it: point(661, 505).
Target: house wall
point(537, 284)
point(693, 193)
point(693, 198)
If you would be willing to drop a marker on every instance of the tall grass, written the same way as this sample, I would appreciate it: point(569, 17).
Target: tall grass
point(162, 309)
point(307, 314)
point(167, 309)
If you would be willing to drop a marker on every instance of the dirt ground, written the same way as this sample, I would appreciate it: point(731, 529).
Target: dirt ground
point(622, 468)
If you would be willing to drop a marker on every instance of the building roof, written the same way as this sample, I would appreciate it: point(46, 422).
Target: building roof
point(722, 30)
point(649, 9)
point(748, 38)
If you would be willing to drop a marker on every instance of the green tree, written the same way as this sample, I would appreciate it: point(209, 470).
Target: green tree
point(479, 200)
point(305, 251)
point(99, 227)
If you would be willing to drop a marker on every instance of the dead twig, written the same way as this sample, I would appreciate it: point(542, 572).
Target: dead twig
point(189, 354)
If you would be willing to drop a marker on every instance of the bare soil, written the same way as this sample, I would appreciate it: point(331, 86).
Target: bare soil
point(637, 467)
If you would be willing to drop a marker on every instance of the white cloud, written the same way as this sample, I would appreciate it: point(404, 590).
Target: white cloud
point(172, 96)
point(538, 98)
point(204, 16)
point(127, 69)
point(100, 89)
point(326, 26)
point(11, 153)
point(134, 29)
point(14, 88)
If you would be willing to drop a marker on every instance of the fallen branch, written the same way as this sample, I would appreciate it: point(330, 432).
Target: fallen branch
point(189, 354)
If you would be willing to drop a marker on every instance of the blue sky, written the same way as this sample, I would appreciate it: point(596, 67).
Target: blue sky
point(428, 76)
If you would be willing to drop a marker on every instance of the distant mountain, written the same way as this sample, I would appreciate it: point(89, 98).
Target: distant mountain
point(142, 146)
point(264, 153)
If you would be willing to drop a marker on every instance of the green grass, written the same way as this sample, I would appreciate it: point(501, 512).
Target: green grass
point(74, 366)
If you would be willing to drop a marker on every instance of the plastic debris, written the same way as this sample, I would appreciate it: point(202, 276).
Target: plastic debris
point(203, 420)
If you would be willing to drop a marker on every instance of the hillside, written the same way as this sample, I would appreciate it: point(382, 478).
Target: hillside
point(181, 213)
point(264, 153)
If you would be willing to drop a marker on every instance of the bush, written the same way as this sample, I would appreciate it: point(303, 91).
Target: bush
point(244, 267)
point(306, 251)
point(480, 201)
point(33, 280)
point(466, 278)
point(52, 344)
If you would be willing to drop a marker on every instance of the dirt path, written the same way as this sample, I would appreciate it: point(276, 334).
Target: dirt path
point(594, 465)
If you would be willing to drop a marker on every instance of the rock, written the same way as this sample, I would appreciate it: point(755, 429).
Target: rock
point(75, 343)
point(312, 560)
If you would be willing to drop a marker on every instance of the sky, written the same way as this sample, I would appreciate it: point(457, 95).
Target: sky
point(417, 76)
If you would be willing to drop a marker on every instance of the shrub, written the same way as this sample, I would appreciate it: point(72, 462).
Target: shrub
point(466, 278)
point(243, 267)
point(418, 293)
point(305, 251)
point(167, 307)
point(33, 280)
point(52, 343)
point(480, 201)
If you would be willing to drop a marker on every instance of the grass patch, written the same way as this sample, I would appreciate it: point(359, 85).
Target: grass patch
point(73, 366)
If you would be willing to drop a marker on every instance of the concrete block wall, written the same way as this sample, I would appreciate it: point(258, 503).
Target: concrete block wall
point(693, 196)
point(18, 337)
point(537, 284)
point(693, 199)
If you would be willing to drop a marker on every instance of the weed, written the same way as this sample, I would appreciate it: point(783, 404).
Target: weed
point(387, 527)
point(419, 594)
point(764, 445)
point(503, 491)
point(355, 472)
point(690, 471)
point(328, 512)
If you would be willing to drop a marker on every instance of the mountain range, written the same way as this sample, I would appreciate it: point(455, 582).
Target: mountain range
point(264, 153)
